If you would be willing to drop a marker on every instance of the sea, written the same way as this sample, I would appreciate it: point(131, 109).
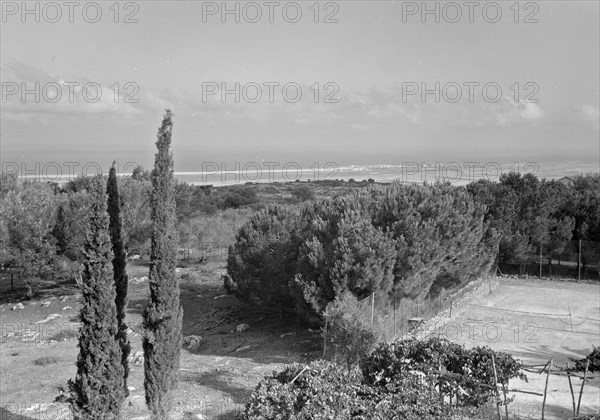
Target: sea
point(456, 173)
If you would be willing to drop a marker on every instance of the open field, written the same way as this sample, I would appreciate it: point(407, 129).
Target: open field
point(215, 380)
point(509, 319)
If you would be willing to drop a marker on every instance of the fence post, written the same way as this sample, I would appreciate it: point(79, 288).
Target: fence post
point(579, 262)
point(572, 393)
point(546, 387)
point(325, 334)
point(496, 388)
point(394, 315)
point(372, 307)
point(540, 260)
point(570, 318)
point(587, 365)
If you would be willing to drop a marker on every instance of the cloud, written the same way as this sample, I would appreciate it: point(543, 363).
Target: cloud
point(29, 94)
point(591, 114)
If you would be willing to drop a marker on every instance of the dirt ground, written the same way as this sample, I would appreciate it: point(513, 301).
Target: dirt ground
point(39, 349)
point(508, 319)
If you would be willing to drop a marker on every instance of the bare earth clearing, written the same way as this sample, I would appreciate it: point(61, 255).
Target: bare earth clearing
point(39, 344)
point(215, 380)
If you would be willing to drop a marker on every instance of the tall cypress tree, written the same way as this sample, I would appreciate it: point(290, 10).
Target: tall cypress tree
point(97, 391)
point(119, 268)
point(163, 315)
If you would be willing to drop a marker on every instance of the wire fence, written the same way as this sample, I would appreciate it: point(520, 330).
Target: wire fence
point(392, 317)
point(579, 259)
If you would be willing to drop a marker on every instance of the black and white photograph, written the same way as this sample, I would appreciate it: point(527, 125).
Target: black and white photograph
point(300, 210)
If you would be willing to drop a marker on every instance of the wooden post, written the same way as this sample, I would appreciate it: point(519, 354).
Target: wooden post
point(505, 404)
point(570, 318)
point(395, 336)
point(540, 260)
point(372, 307)
point(496, 388)
point(572, 393)
point(579, 262)
point(587, 365)
point(546, 387)
point(325, 335)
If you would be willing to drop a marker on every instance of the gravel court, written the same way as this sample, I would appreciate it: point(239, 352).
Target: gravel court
point(513, 318)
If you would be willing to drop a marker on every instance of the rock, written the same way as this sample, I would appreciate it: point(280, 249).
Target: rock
point(137, 358)
point(220, 297)
point(199, 417)
point(192, 342)
point(242, 327)
point(49, 318)
point(46, 304)
point(66, 308)
point(283, 335)
point(243, 348)
point(178, 270)
point(130, 388)
point(18, 306)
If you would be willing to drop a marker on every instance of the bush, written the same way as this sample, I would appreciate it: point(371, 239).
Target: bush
point(348, 334)
point(593, 357)
point(455, 368)
point(45, 361)
point(324, 390)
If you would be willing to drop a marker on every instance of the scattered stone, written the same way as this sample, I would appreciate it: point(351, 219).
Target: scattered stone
point(243, 348)
point(137, 358)
point(18, 306)
point(200, 417)
point(242, 327)
point(49, 318)
point(130, 388)
point(192, 342)
point(220, 297)
point(46, 304)
point(178, 270)
point(283, 335)
point(66, 308)
point(138, 280)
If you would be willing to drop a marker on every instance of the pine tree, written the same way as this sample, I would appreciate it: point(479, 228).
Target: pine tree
point(97, 391)
point(163, 315)
point(119, 268)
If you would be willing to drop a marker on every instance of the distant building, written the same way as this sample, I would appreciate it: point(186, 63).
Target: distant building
point(565, 180)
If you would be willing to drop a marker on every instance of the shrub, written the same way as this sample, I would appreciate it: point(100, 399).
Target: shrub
point(348, 334)
point(45, 361)
point(324, 390)
point(455, 368)
point(321, 390)
point(593, 357)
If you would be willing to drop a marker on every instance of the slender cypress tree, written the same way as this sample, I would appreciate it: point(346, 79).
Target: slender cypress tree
point(163, 315)
point(97, 391)
point(119, 268)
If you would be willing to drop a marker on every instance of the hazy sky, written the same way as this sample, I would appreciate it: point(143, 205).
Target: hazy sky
point(361, 77)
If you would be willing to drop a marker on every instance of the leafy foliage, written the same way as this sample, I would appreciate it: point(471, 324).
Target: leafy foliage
point(399, 238)
point(453, 367)
point(348, 334)
point(403, 380)
point(29, 212)
point(593, 357)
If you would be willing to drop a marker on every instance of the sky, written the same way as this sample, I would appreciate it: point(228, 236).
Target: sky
point(351, 82)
